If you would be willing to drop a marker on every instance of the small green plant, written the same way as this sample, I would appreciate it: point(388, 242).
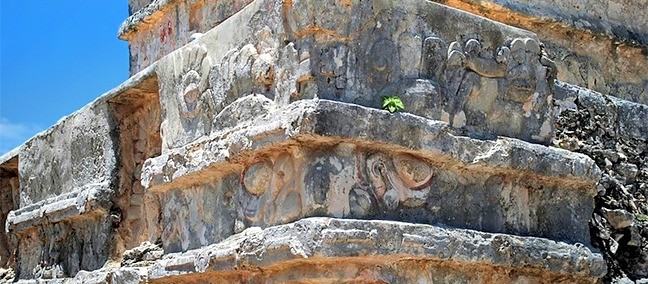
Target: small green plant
point(641, 217)
point(392, 104)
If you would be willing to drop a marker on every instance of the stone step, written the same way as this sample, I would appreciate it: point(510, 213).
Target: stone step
point(88, 200)
point(376, 250)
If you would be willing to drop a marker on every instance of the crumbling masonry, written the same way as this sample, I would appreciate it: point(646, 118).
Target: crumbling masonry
point(249, 146)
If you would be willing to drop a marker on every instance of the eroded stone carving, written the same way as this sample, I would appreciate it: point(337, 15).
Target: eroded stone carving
point(186, 96)
point(506, 90)
point(273, 192)
point(387, 183)
point(241, 71)
point(208, 87)
point(191, 82)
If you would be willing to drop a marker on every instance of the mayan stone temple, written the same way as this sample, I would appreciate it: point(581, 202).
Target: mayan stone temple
point(250, 145)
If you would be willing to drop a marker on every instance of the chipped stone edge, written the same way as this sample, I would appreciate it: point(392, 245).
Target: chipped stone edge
point(131, 24)
point(320, 238)
point(316, 118)
point(568, 92)
point(132, 82)
point(89, 198)
point(13, 153)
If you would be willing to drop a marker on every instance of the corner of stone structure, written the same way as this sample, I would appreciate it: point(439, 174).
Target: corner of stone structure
point(249, 145)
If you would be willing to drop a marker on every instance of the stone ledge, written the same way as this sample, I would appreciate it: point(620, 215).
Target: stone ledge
point(321, 240)
point(135, 82)
point(7, 157)
point(624, 21)
point(630, 118)
point(144, 15)
point(90, 198)
point(329, 122)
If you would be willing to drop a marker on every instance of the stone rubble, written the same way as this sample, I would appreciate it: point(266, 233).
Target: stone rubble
point(602, 128)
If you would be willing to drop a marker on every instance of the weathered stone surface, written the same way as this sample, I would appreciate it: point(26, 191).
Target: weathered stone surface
point(209, 164)
point(618, 218)
point(319, 157)
point(60, 189)
point(398, 253)
point(157, 27)
point(484, 81)
point(625, 20)
point(305, 118)
point(621, 118)
point(69, 205)
point(136, 5)
point(9, 192)
point(595, 44)
point(78, 151)
point(613, 133)
point(62, 249)
point(142, 254)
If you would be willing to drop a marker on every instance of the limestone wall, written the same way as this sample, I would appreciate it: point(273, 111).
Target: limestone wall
point(250, 146)
point(600, 45)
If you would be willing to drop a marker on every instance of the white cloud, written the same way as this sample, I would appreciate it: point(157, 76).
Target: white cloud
point(13, 134)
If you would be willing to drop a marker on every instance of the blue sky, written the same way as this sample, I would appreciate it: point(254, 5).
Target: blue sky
point(56, 57)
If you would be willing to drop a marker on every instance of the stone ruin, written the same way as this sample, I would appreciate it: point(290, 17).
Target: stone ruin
point(249, 146)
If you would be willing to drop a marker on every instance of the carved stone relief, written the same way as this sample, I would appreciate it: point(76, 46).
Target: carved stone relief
point(352, 182)
point(274, 190)
point(190, 93)
point(388, 183)
point(505, 91)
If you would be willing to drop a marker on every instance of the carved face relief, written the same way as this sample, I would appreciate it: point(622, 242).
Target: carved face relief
point(521, 77)
point(192, 80)
point(382, 61)
point(191, 92)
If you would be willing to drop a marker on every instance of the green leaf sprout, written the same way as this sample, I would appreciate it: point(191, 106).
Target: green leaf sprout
point(392, 104)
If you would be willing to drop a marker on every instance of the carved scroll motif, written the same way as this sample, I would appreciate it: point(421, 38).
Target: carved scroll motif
point(272, 191)
point(392, 182)
point(275, 191)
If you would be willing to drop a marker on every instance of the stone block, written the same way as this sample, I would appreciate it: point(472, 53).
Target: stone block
point(337, 250)
point(80, 150)
point(327, 158)
point(445, 64)
point(157, 27)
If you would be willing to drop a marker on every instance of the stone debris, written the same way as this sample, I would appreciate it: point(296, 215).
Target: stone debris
point(146, 252)
point(618, 218)
point(612, 132)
